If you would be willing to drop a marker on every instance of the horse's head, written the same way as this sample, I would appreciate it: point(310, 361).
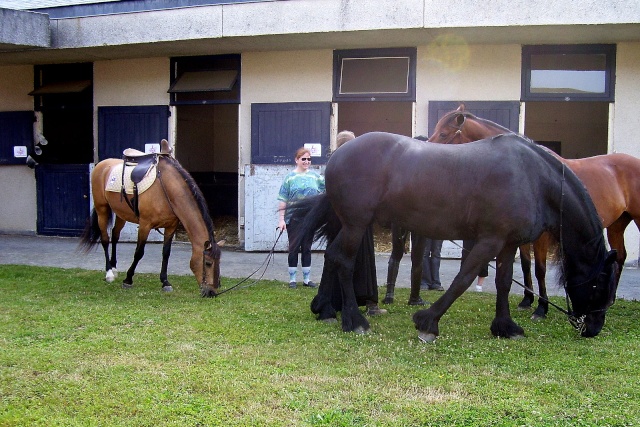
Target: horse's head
point(592, 298)
point(210, 284)
point(449, 129)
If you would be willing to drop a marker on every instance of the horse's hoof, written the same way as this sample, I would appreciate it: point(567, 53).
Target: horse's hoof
point(524, 307)
point(426, 337)
point(387, 300)
point(536, 316)
point(330, 320)
point(110, 277)
point(417, 301)
point(127, 285)
point(167, 288)
point(361, 331)
point(516, 337)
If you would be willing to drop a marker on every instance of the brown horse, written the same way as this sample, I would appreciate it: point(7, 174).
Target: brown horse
point(501, 192)
point(612, 180)
point(172, 198)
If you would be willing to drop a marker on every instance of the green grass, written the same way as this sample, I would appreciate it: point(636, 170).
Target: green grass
point(75, 351)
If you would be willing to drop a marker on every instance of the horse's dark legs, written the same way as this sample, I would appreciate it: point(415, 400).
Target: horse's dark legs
point(540, 250)
point(503, 325)
point(166, 253)
point(418, 244)
point(426, 321)
point(342, 251)
point(615, 236)
point(322, 302)
point(143, 234)
point(398, 239)
point(525, 262)
point(112, 270)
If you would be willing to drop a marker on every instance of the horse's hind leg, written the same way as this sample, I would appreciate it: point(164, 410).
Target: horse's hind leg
point(503, 325)
point(169, 233)
point(143, 234)
point(418, 246)
point(525, 262)
point(342, 251)
point(112, 271)
point(615, 236)
point(398, 239)
point(540, 250)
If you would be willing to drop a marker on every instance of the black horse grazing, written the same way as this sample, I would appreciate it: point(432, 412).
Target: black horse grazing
point(501, 192)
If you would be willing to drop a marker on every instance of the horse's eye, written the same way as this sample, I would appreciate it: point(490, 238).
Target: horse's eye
point(208, 263)
point(443, 135)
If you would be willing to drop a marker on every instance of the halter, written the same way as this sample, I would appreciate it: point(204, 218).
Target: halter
point(267, 261)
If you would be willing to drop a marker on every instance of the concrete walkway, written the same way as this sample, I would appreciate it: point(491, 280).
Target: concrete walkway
point(62, 252)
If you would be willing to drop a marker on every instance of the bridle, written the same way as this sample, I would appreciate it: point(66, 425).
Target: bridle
point(265, 263)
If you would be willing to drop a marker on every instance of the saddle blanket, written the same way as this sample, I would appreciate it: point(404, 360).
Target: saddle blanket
point(114, 183)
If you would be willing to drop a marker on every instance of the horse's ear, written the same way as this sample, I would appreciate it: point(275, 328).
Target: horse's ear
point(221, 243)
point(461, 107)
point(460, 119)
point(207, 245)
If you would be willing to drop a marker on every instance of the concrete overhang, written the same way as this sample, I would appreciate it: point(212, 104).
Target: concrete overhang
point(21, 30)
point(326, 24)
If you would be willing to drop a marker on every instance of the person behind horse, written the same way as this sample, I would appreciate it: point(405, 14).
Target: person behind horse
point(297, 185)
point(467, 245)
point(430, 279)
point(365, 281)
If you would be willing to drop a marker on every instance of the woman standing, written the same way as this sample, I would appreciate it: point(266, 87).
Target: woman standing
point(298, 184)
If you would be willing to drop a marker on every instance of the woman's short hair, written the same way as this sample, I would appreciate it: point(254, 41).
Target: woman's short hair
point(344, 136)
point(301, 151)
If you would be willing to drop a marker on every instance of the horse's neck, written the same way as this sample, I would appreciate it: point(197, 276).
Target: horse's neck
point(480, 129)
point(186, 208)
point(580, 232)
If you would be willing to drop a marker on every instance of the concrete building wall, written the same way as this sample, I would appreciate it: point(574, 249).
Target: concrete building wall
point(449, 69)
point(18, 200)
point(273, 77)
point(626, 121)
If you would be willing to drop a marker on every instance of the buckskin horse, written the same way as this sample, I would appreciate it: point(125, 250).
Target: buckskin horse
point(501, 192)
point(612, 181)
point(172, 198)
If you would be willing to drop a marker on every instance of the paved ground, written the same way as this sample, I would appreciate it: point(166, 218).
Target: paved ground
point(62, 252)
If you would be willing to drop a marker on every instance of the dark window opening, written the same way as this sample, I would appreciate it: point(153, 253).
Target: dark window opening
point(64, 95)
point(205, 80)
point(568, 73)
point(374, 74)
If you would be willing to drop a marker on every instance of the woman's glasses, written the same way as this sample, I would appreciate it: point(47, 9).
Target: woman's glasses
point(305, 159)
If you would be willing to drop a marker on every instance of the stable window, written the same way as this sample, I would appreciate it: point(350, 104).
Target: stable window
point(202, 80)
point(374, 75)
point(568, 73)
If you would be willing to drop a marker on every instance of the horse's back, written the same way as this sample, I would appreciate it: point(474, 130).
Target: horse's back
point(427, 187)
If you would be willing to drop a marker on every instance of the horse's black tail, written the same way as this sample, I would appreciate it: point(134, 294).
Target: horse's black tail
point(91, 234)
point(317, 217)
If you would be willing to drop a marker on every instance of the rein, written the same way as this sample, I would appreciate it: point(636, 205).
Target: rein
point(265, 263)
point(530, 290)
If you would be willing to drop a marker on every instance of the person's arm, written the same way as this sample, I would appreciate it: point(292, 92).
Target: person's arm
point(282, 206)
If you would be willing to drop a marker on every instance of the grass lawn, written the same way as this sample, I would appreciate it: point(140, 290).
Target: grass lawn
point(76, 351)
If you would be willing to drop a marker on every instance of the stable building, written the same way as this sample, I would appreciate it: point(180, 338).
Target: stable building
point(237, 86)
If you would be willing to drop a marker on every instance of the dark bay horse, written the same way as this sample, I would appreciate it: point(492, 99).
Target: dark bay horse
point(501, 192)
point(612, 180)
point(173, 198)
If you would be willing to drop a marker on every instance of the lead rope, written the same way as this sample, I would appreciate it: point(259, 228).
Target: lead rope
point(523, 286)
point(265, 263)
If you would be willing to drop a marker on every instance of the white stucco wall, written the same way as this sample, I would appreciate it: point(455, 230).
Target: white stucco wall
point(273, 77)
point(450, 69)
point(18, 200)
point(131, 82)
point(626, 122)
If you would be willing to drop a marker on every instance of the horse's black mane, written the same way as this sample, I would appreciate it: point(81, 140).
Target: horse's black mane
point(196, 192)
